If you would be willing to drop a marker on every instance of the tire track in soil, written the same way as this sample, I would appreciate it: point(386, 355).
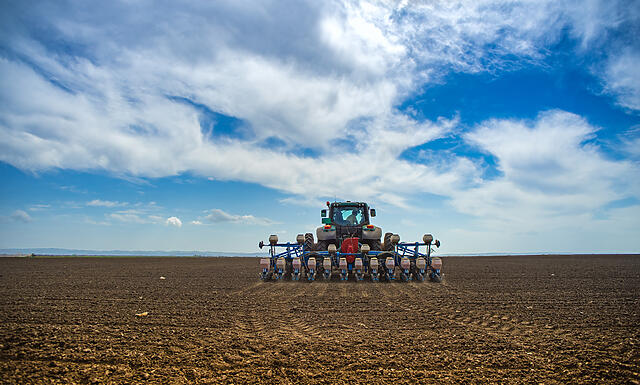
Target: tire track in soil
point(497, 325)
point(244, 325)
point(322, 293)
point(343, 290)
point(309, 333)
point(250, 321)
point(283, 313)
point(483, 323)
point(255, 288)
point(384, 289)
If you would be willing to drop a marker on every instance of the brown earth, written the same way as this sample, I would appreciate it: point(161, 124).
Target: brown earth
point(521, 319)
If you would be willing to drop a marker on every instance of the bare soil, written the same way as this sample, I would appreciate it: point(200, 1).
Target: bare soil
point(518, 319)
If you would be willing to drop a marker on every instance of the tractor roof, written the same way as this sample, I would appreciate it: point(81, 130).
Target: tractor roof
point(348, 203)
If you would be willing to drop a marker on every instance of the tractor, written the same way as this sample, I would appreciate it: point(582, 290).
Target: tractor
point(348, 245)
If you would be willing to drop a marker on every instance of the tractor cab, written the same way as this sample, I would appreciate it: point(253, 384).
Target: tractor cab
point(348, 220)
point(347, 214)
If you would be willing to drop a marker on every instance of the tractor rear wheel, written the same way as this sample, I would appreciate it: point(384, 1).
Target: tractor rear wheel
point(308, 242)
point(375, 245)
point(322, 245)
point(387, 242)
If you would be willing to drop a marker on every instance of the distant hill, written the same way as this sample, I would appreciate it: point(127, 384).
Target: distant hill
point(147, 253)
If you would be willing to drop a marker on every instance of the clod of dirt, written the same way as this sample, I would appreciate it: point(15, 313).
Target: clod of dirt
point(144, 314)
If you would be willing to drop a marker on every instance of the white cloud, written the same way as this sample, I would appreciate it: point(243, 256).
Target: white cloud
point(102, 203)
point(552, 174)
point(173, 221)
point(302, 201)
point(39, 207)
point(348, 62)
point(155, 218)
point(142, 214)
point(94, 222)
point(127, 217)
point(632, 147)
point(622, 79)
point(220, 216)
point(73, 189)
point(331, 88)
point(21, 216)
point(197, 223)
point(178, 145)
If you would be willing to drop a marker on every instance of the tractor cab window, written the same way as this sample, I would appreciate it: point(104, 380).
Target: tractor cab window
point(348, 216)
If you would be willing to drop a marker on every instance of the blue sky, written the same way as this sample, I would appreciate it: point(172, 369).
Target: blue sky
point(498, 126)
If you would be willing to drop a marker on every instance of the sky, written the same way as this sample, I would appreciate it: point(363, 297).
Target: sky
point(497, 126)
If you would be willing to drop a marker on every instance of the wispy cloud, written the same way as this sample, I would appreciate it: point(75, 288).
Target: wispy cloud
point(155, 218)
point(21, 216)
point(143, 214)
point(104, 203)
point(622, 78)
point(220, 216)
point(91, 221)
point(39, 207)
point(73, 189)
point(302, 201)
point(128, 217)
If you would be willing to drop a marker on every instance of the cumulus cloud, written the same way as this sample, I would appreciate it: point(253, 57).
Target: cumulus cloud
point(220, 216)
point(126, 94)
point(173, 221)
point(552, 174)
point(197, 223)
point(21, 216)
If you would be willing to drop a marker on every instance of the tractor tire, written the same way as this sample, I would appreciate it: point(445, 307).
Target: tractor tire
point(387, 242)
point(322, 245)
point(308, 242)
point(375, 245)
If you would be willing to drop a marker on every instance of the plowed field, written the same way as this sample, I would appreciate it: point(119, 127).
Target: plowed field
point(520, 319)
